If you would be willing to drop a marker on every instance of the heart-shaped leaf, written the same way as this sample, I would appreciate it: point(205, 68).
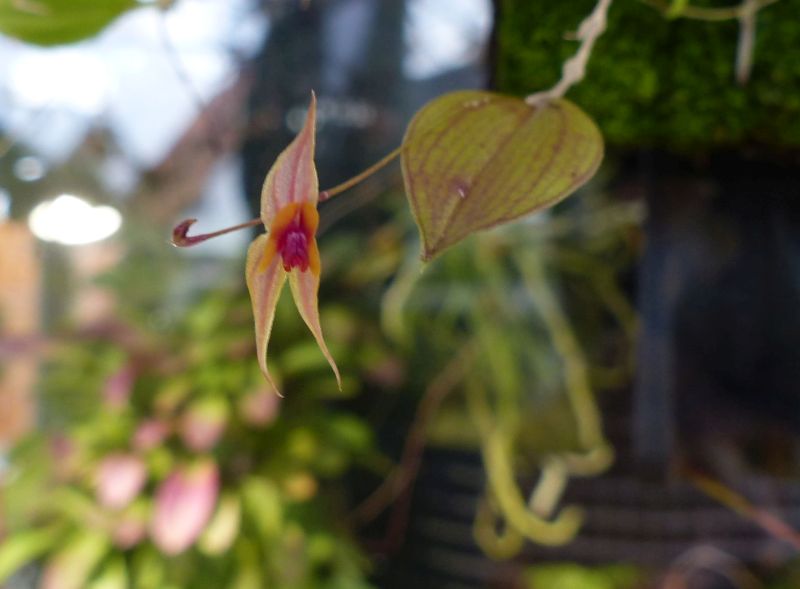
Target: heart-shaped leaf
point(472, 160)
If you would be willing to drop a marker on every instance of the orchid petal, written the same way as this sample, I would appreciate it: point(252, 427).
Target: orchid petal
point(293, 177)
point(265, 279)
point(304, 290)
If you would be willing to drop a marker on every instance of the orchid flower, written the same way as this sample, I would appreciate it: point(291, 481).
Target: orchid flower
point(289, 249)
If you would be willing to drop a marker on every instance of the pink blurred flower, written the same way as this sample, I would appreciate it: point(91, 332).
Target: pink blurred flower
point(120, 477)
point(203, 423)
point(184, 503)
point(260, 408)
point(62, 447)
point(118, 387)
point(149, 434)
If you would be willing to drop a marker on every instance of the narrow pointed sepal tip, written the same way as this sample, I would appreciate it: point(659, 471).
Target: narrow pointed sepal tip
point(336, 373)
point(277, 392)
point(267, 376)
point(304, 286)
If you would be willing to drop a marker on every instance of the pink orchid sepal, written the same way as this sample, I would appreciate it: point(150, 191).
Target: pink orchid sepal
point(120, 477)
point(183, 506)
point(289, 211)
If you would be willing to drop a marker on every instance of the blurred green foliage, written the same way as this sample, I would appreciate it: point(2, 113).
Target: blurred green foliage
point(574, 576)
point(658, 81)
point(477, 292)
point(280, 461)
point(55, 22)
point(523, 324)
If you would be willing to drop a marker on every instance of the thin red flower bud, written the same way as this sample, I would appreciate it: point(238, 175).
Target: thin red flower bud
point(181, 238)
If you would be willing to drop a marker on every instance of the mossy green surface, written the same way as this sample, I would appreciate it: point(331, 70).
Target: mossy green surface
point(658, 81)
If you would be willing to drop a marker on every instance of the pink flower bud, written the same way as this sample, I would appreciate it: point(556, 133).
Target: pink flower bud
point(184, 503)
point(260, 408)
point(120, 477)
point(149, 434)
point(203, 423)
point(118, 387)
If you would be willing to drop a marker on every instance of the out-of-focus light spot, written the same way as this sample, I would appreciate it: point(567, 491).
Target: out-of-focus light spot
point(249, 33)
point(70, 220)
point(343, 112)
point(68, 78)
point(29, 168)
point(50, 98)
point(443, 35)
point(5, 204)
point(295, 117)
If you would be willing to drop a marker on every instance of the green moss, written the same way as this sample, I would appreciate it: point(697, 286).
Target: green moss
point(661, 82)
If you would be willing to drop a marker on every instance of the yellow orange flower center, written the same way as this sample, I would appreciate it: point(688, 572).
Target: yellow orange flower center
point(292, 236)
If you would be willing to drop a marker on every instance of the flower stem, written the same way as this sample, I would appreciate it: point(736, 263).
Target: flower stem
point(181, 237)
point(358, 178)
point(574, 69)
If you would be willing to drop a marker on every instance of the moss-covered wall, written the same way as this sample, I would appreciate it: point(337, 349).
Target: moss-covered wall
point(654, 81)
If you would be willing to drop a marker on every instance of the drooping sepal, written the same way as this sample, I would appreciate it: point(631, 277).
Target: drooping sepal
point(265, 278)
point(305, 286)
